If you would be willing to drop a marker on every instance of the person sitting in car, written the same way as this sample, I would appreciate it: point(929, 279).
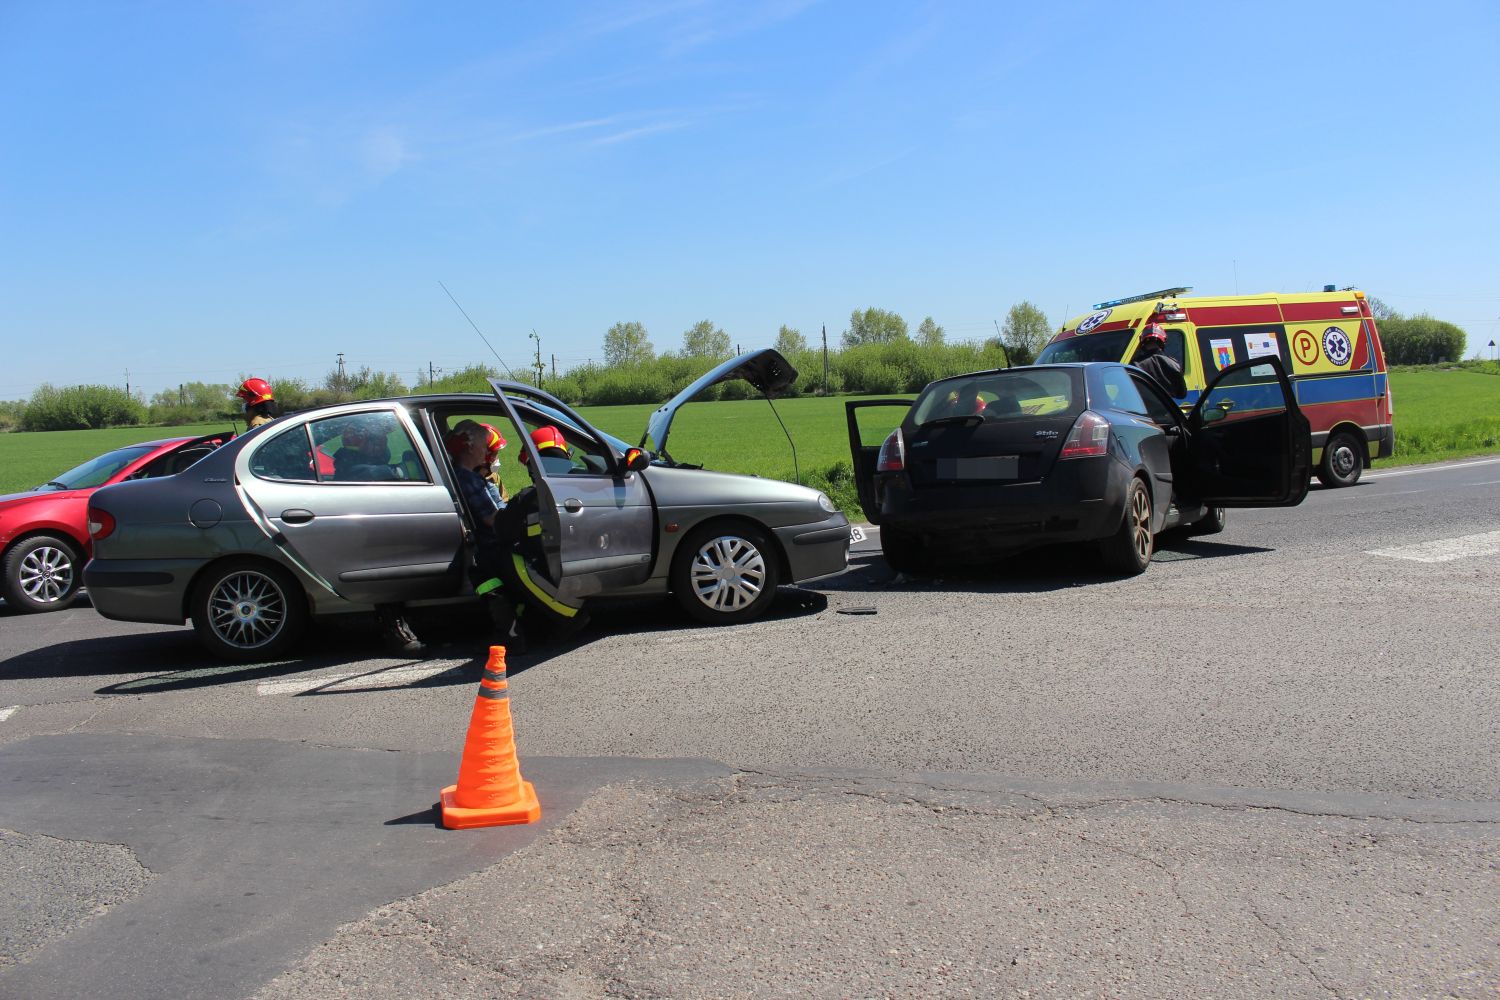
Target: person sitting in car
point(468, 446)
point(365, 453)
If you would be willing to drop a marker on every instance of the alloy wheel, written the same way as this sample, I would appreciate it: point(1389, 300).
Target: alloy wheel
point(1140, 524)
point(46, 574)
point(247, 609)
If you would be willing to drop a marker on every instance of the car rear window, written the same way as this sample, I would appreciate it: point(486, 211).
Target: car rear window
point(1003, 395)
point(1088, 347)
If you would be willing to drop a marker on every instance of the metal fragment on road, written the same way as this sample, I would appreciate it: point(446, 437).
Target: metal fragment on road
point(865, 609)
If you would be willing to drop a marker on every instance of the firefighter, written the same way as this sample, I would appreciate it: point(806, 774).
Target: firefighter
point(553, 447)
point(260, 404)
point(519, 528)
point(1151, 358)
point(473, 447)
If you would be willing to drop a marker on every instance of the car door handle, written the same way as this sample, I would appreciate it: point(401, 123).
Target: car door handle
point(572, 506)
point(296, 516)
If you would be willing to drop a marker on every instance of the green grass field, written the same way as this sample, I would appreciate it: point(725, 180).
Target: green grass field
point(1439, 415)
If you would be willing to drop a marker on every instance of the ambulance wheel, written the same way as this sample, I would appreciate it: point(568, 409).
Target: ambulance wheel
point(725, 573)
point(1343, 461)
point(1128, 550)
point(1210, 524)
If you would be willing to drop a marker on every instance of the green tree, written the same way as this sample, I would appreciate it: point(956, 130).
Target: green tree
point(1421, 340)
point(790, 341)
point(1025, 332)
point(704, 340)
point(626, 344)
point(929, 334)
point(874, 326)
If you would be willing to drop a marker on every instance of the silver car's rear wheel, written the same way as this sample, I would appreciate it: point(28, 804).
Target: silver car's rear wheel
point(248, 611)
point(725, 574)
point(41, 574)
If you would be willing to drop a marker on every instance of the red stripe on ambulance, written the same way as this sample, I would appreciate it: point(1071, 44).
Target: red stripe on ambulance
point(1300, 312)
point(1234, 315)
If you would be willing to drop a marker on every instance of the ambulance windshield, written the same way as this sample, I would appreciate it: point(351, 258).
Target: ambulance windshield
point(1089, 347)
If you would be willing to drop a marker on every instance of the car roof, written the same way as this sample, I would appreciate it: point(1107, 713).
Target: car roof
point(1027, 368)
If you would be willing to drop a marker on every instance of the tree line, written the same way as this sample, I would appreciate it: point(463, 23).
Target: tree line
point(876, 353)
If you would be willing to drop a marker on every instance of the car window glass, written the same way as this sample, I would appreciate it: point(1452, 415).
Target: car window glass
point(1177, 348)
point(999, 395)
point(96, 471)
point(287, 457)
point(366, 448)
point(1157, 407)
point(585, 456)
point(1250, 391)
point(1087, 347)
point(1121, 391)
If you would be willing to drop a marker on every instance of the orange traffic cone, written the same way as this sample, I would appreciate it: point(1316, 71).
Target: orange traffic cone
point(490, 791)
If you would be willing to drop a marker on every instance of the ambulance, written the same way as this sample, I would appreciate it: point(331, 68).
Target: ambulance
point(1326, 341)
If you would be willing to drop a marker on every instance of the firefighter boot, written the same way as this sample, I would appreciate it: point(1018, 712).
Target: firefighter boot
point(506, 629)
point(395, 634)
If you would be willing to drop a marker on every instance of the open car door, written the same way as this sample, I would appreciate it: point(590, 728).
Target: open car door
point(865, 438)
point(1248, 443)
point(597, 519)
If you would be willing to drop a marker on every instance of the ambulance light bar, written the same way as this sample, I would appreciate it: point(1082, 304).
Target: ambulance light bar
point(1165, 293)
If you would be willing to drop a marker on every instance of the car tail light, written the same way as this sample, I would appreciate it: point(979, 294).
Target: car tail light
point(892, 456)
point(101, 523)
point(1089, 437)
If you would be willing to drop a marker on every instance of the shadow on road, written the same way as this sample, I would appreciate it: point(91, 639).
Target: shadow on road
point(459, 636)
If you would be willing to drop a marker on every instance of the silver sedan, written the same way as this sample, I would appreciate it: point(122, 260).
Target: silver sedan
point(345, 507)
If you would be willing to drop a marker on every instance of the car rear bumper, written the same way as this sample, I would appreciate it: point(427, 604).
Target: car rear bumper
point(1078, 501)
point(141, 590)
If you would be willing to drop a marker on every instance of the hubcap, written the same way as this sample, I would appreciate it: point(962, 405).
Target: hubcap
point(1140, 518)
point(1343, 460)
point(47, 574)
point(246, 609)
point(728, 573)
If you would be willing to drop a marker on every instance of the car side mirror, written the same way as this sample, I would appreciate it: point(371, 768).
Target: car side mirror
point(1215, 413)
point(636, 460)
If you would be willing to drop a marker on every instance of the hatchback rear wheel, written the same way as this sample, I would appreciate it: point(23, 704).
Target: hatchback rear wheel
point(42, 573)
point(1128, 550)
point(246, 610)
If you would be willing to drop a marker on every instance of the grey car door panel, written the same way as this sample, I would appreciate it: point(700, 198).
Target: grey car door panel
point(598, 529)
point(372, 542)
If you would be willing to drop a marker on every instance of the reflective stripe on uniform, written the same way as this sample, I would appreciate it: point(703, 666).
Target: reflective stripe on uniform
point(532, 530)
point(493, 583)
point(524, 572)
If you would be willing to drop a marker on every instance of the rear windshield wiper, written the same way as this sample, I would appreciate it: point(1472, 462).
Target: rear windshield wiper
point(958, 418)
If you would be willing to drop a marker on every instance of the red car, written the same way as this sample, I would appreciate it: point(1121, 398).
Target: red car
point(44, 532)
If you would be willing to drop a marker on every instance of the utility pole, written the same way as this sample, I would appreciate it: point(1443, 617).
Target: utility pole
point(825, 359)
point(537, 363)
point(338, 390)
point(181, 398)
point(554, 367)
point(127, 381)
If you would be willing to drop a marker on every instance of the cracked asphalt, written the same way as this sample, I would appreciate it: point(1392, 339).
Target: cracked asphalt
point(1266, 768)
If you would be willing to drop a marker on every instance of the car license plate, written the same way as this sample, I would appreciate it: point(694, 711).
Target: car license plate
point(856, 534)
point(989, 467)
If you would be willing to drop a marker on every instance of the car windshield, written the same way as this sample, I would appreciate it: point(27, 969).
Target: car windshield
point(1089, 347)
point(96, 471)
point(992, 396)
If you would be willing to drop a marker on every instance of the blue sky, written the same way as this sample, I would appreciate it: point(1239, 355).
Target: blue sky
point(204, 190)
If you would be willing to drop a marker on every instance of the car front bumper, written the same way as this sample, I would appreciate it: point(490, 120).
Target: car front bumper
point(815, 550)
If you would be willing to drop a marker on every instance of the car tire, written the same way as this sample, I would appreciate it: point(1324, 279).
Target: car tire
point(725, 573)
point(246, 610)
point(1128, 550)
point(42, 573)
point(1210, 524)
point(902, 551)
point(1343, 461)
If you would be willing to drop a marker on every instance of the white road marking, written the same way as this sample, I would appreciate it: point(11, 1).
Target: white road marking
point(1444, 549)
point(1430, 468)
point(368, 680)
point(8, 711)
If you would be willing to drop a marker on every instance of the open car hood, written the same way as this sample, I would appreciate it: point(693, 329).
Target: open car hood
point(765, 369)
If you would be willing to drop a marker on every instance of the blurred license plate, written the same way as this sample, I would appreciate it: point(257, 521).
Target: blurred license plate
point(991, 467)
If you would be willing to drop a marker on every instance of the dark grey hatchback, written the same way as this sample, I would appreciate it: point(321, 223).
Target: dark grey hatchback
point(998, 461)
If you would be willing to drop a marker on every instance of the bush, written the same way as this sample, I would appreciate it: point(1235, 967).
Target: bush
point(1420, 340)
point(80, 407)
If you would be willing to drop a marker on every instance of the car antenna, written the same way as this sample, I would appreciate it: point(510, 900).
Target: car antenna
point(508, 369)
point(796, 470)
point(1001, 341)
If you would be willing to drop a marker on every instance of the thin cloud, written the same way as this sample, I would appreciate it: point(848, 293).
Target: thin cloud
point(637, 133)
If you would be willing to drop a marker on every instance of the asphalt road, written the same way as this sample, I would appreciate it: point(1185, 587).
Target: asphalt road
point(1266, 767)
